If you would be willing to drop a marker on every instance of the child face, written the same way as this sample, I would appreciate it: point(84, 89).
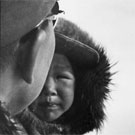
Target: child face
point(58, 92)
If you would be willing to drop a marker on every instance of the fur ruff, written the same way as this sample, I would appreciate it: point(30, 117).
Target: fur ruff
point(90, 113)
point(34, 126)
point(7, 126)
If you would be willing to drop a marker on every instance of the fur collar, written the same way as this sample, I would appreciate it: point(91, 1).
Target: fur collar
point(8, 125)
point(34, 126)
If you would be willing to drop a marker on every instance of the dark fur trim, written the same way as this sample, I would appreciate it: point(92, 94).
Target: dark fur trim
point(34, 126)
point(94, 91)
point(7, 127)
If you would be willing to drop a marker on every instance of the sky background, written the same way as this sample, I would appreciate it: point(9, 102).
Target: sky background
point(111, 23)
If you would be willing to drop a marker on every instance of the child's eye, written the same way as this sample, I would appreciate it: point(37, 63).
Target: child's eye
point(62, 77)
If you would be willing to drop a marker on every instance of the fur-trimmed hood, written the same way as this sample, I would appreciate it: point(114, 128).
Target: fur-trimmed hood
point(90, 113)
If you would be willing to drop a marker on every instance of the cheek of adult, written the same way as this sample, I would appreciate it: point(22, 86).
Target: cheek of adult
point(24, 83)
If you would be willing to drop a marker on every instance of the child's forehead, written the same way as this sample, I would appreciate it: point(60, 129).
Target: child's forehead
point(61, 62)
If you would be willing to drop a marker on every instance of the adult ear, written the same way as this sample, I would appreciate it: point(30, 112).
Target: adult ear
point(28, 50)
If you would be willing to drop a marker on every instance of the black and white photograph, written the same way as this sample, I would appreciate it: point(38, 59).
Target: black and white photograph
point(67, 67)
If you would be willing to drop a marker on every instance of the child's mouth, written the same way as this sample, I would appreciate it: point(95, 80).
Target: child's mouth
point(49, 105)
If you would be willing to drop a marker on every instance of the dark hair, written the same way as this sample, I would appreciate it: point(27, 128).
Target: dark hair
point(92, 85)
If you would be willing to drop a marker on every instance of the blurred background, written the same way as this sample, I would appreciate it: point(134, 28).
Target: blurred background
point(111, 23)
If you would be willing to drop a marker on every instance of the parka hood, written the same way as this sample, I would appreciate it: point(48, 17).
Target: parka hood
point(89, 114)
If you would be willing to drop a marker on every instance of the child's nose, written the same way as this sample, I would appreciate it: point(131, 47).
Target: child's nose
point(50, 87)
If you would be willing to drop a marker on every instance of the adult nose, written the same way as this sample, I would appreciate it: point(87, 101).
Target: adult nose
point(36, 51)
point(50, 87)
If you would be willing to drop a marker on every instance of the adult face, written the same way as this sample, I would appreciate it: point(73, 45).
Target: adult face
point(20, 16)
point(24, 76)
point(58, 92)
